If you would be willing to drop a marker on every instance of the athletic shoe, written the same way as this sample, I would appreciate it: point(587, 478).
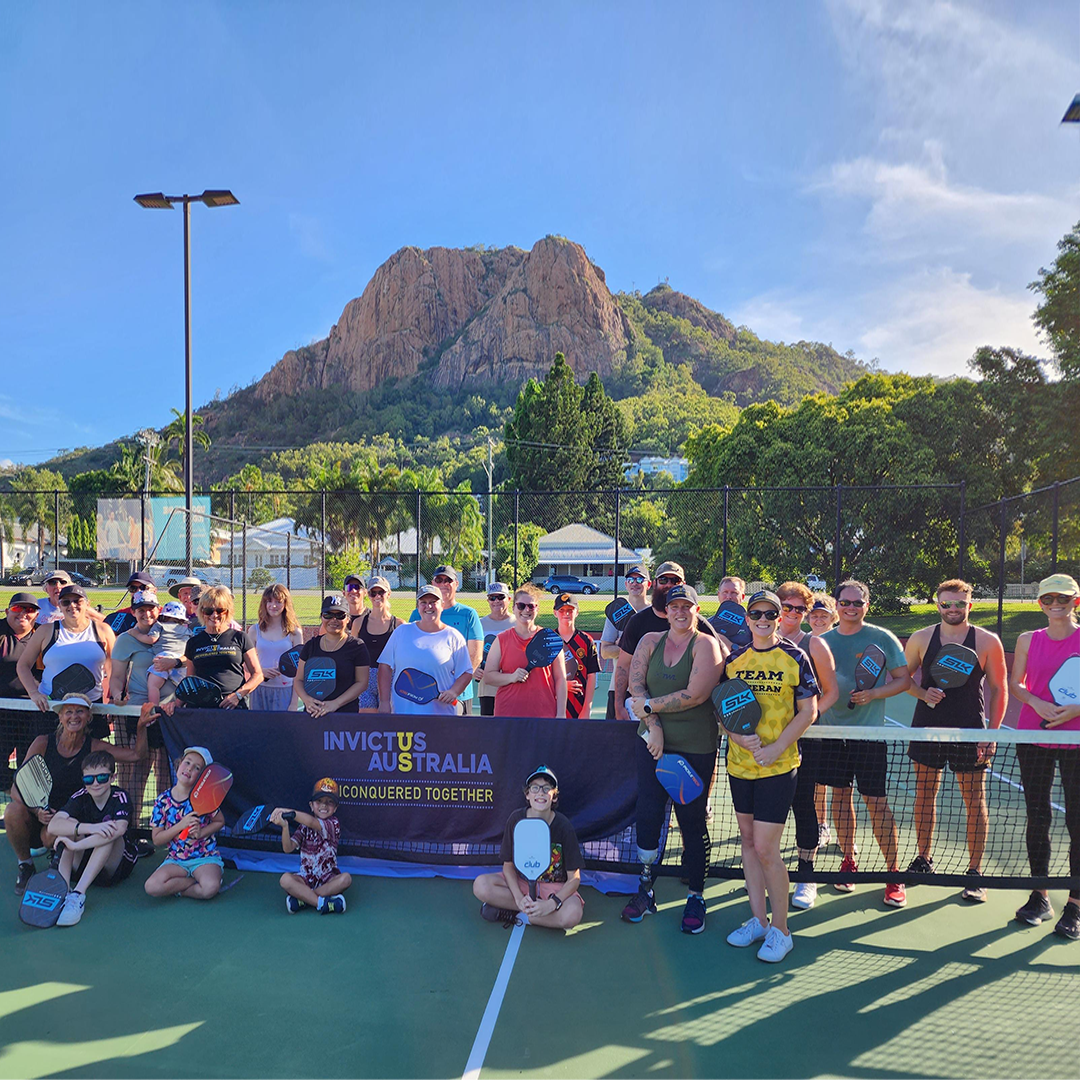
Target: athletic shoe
point(640, 905)
point(708, 813)
point(976, 891)
point(74, 903)
point(693, 919)
point(747, 934)
point(847, 866)
point(293, 904)
point(921, 865)
point(895, 894)
point(1068, 926)
point(35, 852)
point(332, 905)
point(144, 847)
point(777, 945)
point(824, 835)
point(1035, 910)
point(805, 895)
point(22, 879)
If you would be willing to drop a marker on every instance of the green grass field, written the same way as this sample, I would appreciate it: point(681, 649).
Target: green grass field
point(1019, 616)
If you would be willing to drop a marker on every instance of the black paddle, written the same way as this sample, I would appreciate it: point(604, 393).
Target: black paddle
point(288, 661)
point(74, 679)
point(320, 676)
point(542, 649)
point(488, 639)
point(868, 669)
point(730, 620)
point(737, 709)
point(43, 899)
point(120, 622)
point(199, 693)
point(619, 612)
point(952, 667)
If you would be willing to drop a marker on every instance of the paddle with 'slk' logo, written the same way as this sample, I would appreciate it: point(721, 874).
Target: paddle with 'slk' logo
point(952, 667)
point(737, 709)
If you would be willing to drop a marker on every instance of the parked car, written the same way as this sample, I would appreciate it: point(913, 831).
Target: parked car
point(816, 583)
point(558, 583)
point(82, 579)
point(18, 577)
point(176, 574)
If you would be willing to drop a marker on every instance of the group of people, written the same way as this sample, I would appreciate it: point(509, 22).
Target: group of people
point(669, 660)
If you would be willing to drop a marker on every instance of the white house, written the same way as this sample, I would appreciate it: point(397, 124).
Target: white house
point(277, 546)
point(584, 552)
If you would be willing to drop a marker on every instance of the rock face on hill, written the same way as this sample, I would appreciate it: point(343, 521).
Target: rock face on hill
point(475, 315)
point(664, 298)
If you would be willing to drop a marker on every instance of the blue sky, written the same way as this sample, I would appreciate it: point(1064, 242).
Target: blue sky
point(887, 177)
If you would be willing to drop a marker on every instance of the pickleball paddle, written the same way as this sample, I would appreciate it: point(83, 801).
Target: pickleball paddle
point(120, 622)
point(542, 649)
point(43, 899)
point(619, 612)
point(488, 639)
point(287, 662)
point(1064, 684)
point(868, 669)
point(737, 708)
point(320, 676)
point(199, 693)
point(730, 620)
point(416, 686)
point(952, 667)
point(209, 791)
point(74, 679)
point(33, 782)
point(679, 778)
point(532, 850)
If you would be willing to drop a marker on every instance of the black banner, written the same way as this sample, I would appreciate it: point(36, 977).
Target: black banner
point(418, 780)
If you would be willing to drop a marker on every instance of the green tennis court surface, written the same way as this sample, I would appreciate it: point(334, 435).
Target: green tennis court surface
point(397, 987)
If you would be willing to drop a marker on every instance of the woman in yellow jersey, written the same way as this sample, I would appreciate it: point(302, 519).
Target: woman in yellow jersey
point(763, 768)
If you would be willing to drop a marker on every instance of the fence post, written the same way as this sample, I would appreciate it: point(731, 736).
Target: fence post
point(322, 529)
point(516, 507)
point(243, 580)
point(288, 561)
point(142, 529)
point(618, 507)
point(1001, 571)
point(232, 542)
point(1054, 540)
point(961, 537)
point(56, 529)
point(724, 550)
point(837, 564)
point(419, 497)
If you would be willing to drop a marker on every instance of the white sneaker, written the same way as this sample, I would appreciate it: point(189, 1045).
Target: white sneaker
point(777, 946)
point(805, 895)
point(824, 835)
point(74, 903)
point(747, 934)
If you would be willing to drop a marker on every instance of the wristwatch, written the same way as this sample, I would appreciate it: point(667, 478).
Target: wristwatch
point(558, 900)
point(647, 706)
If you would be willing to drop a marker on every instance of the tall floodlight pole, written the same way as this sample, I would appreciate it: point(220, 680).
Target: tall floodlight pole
point(158, 201)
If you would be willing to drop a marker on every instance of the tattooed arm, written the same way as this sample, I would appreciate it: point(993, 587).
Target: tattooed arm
point(705, 672)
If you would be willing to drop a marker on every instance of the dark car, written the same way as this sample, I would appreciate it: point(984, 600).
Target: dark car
point(558, 583)
point(82, 579)
point(18, 577)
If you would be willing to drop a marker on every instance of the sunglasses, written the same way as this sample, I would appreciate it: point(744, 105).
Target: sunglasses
point(72, 601)
point(22, 609)
point(635, 580)
point(334, 616)
point(492, 599)
point(947, 605)
point(1050, 599)
point(764, 613)
point(218, 611)
point(97, 778)
point(540, 789)
point(525, 607)
point(668, 579)
point(376, 592)
point(801, 608)
point(353, 588)
point(440, 580)
point(851, 603)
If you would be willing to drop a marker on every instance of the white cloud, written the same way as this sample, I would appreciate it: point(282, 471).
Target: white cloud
point(309, 235)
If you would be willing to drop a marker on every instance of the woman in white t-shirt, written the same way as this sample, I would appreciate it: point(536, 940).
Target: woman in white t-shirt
point(276, 632)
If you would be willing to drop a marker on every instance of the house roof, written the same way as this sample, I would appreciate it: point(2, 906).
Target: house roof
point(578, 543)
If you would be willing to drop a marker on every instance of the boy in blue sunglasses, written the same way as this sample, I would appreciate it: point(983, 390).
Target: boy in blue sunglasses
point(92, 835)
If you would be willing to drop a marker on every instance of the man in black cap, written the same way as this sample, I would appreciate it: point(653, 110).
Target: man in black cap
point(651, 620)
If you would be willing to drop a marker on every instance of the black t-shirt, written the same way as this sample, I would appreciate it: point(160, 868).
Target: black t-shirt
point(220, 659)
point(345, 661)
point(565, 849)
point(82, 807)
point(11, 648)
point(647, 621)
point(375, 642)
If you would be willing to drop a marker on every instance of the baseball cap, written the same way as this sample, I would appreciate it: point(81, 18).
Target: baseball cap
point(353, 579)
point(208, 758)
point(174, 610)
point(637, 570)
point(58, 575)
point(761, 594)
point(671, 568)
point(1059, 583)
point(542, 772)
point(69, 591)
point(334, 603)
point(821, 605)
point(183, 583)
point(566, 600)
point(683, 592)
point(498, 588)
point(449, 571)
point(71, 699)
point(428, 590)
point(139, 578)
point(24, 598)
point(378, 583)
point(327, 787)
point(146, 598)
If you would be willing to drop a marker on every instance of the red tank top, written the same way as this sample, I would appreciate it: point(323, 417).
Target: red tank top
point(536, 695)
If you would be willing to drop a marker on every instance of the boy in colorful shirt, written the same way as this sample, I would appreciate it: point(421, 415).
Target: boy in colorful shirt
point(193, 866)
point(320, 883)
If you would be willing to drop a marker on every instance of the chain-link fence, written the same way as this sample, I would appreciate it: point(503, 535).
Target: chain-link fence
point(901, 540)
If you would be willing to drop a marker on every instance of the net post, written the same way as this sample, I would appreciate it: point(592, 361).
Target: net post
point(724, 549)
point(232, 542)
point(1001, 570)
point(288, 561)
point(1054, 534)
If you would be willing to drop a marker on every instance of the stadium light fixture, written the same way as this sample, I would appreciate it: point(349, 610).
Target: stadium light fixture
point(157, 200)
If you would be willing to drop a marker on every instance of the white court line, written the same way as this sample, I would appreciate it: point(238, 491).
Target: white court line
point(491, 1013)
point(996, 775)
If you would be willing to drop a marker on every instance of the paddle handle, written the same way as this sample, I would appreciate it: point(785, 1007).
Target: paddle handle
point(532, 890)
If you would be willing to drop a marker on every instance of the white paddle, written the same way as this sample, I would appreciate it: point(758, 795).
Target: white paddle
point(532, 850)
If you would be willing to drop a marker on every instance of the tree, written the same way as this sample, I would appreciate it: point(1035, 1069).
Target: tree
point(528, 553)
point(1058, 316)
point(34, 502)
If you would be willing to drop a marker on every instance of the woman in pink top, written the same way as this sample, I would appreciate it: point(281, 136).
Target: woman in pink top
point(1039, 656)
point(519, 691)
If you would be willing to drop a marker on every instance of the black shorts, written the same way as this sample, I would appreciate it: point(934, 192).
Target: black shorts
point(765, 799)
point(122, 871)
point(155, 740)
point(961, 757)
point(844, 761)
